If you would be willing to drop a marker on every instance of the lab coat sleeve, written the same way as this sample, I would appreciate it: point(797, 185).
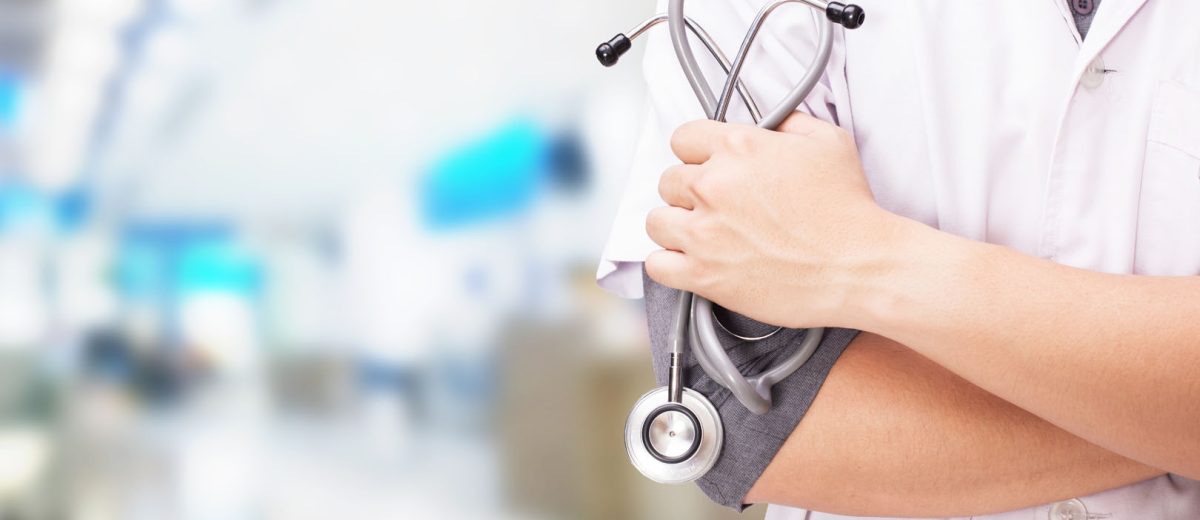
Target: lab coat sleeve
point(780, 57)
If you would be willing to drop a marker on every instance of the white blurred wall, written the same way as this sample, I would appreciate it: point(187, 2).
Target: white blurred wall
point(309, 102)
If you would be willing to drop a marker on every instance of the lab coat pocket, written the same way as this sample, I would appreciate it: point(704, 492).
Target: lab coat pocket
point(1168, 233)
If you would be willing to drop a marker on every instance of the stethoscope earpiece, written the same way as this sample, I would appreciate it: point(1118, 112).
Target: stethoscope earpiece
point(849, 16)
point(611, 51)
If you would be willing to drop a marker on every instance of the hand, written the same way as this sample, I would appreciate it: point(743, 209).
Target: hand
point(778, 226)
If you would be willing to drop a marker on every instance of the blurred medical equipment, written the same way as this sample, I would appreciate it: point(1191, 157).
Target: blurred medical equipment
point(674, 434)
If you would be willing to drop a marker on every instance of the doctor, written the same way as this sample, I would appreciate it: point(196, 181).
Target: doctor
point(1005, 198)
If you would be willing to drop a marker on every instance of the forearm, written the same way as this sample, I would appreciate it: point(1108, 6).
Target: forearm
point(894, 434)
point(1114, 359)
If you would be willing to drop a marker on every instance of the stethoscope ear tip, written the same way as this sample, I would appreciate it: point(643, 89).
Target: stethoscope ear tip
point(849, 16)
point(609, 52)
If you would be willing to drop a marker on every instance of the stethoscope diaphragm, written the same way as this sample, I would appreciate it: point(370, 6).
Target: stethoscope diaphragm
point(673, 443)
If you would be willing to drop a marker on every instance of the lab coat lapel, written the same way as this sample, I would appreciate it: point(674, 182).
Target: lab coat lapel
point(1068, 19)
point(1111, 17)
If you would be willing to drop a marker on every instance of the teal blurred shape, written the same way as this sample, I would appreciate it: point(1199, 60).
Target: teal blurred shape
point(219, 266)
point(492, 178)
point(167, 260)
point(10, 98)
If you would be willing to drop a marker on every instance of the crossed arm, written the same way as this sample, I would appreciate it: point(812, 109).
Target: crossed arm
point(894, 434)
point(1019, 362)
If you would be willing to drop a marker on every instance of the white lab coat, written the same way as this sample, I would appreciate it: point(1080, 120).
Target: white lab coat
point(989, 120)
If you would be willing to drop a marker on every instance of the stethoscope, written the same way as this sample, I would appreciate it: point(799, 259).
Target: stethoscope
point(674, 434)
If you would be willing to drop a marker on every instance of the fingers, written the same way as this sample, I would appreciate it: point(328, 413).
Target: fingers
point(670, 268)
point(800, 123)
point(667, 227)
point(694, 142)
point(675, 186)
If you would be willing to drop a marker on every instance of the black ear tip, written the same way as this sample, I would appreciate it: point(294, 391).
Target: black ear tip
point(609, 52)
point(853, 17)
point(849, 16)
point(606, 55)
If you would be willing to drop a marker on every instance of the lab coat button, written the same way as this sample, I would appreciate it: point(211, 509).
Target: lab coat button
point(1093, 75)
point(1068, 510)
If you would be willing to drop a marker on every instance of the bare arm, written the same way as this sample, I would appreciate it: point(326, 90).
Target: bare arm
point(782, 227)
point(1114, 359)
point(892, 433)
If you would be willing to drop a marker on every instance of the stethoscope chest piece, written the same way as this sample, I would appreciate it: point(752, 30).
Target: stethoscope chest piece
point(673, 443)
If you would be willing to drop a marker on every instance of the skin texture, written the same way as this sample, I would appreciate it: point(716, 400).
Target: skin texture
point(782, 227)
point(894, 434)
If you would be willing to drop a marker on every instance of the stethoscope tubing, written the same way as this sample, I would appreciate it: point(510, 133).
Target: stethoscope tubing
point(716, 110)
point(694, 318)
point(713, 49)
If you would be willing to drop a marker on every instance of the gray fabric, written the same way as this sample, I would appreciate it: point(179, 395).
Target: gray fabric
point(1084, 11)
point(751, 441)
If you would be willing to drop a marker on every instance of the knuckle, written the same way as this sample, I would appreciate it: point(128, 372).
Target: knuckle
point(706, 188)
point(676, 140)
point(688, 231)
point(673, 186)
point(659, 267)
point(708, 234)
point(656, 223)
point(680, 136)
point(702, 276)
point(705, 227)
point(653, 265)
point(737, 140)
point(665, 181)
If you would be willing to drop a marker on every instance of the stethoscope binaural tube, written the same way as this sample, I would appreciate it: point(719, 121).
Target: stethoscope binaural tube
point(673, 433)
point(849, 16)
point(608, 53)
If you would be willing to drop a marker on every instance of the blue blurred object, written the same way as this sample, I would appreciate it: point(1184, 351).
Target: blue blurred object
point(150, 255)
point(140, 271)
point(174, 259)
point(218, 266)
point(570, 162)
point(162, 263)
point(496, 177)
point(10, 99)
point(71, 209)
point(20, 204)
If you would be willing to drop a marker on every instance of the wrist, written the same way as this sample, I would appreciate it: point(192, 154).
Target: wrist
point(916, 268)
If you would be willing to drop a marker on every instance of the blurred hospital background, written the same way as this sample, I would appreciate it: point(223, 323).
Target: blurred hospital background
point(311, 259)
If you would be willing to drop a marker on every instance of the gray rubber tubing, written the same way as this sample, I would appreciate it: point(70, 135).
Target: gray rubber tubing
point(694, 319)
